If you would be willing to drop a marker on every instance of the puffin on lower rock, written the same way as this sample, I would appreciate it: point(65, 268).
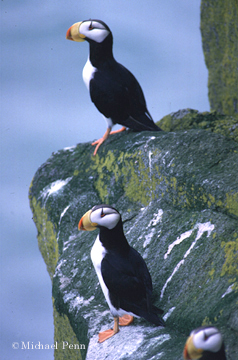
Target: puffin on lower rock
point(113, 89)
point(205, 343)
point(122, 272)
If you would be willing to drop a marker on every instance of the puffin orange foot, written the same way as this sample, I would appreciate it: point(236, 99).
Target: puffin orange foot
point(100, 141)
point(105, 136)
point(104, 335)
point(97, 142)
point(125, 320)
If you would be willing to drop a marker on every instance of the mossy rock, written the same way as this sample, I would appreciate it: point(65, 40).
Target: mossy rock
point(219, 19)
point(178, 196)
point(193, 119)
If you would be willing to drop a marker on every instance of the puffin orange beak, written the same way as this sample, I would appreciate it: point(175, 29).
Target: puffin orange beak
point(185, 353)
point(190, 351)
point(85, 222)
point(74, 34)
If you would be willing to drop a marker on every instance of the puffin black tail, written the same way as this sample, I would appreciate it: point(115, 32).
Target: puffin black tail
point(142, 122)
point(154, 127)
point(147, 121)
point(143, 311)
point(156, 310)
point(153, 317)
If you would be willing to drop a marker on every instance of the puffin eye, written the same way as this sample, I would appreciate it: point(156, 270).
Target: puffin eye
point(102, 214)
point(91, 26)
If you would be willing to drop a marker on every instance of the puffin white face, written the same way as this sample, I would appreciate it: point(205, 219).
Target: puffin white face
point(94, 30)
point(209, 339)
point(101, 215)
point(200, 340)
point(105, 216)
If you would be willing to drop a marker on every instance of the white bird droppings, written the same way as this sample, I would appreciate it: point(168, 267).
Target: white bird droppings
point(201, 228)
point(53, 188)
point(228, 291)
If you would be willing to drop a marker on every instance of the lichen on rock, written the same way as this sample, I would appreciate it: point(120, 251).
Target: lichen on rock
point(219, 30)
point(185, 119)
point(46, 236)
point(230, 266)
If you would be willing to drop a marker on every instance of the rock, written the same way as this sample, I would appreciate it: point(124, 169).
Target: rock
point(178, 196)
point(219, 19)
point(210, 121)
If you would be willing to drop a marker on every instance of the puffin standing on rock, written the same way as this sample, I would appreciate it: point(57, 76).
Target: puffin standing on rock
point(205, 343)
point(113, 89)
point(122, 272)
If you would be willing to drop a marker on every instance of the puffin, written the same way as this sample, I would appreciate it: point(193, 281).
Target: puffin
point(113, 89)
point(205, 343)
point(122, 273)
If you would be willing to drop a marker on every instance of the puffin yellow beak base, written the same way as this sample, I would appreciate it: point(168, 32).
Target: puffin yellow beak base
point(190, 351)
point(85, 222)
point(74, 34)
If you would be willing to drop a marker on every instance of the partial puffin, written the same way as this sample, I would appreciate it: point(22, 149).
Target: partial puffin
point(122, 272)
point(113, 89)
point(205, 343)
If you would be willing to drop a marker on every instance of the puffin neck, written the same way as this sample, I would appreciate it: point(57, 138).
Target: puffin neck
point(220, 355)
point(114, 239)
point(100, 52)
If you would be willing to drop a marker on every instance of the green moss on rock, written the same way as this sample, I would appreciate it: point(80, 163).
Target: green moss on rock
point(129, 172)
point(210, 121)
point(133, 174)
point(46, 236)
point(219, 19)
point(230, 266)
point(65, 334)
point(232, 202)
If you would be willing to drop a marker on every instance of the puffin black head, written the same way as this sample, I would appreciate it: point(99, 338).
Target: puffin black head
point(109, 222)
point(204, 340)
point(97, 34)
point(100, 216)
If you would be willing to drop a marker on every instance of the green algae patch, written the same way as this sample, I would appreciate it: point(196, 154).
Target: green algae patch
point(130, 170)
point(46, 236)
point(219, 39)
point(186, 119)
point(211, 273)
point(141, 177)
point(68, 346)
point(198, 198)
point(230, 267)
point(232, 203)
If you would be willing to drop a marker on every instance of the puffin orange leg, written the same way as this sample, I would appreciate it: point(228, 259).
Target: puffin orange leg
point(125, 320)
point(123, 128)
point(105, 136)
point(100, 141)
point(104, 335)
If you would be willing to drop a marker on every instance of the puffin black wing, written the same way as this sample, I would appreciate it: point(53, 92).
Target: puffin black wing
point(129, 283)
point(117, 95)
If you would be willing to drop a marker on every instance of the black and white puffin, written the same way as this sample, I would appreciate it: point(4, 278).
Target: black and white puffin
point(205, 343)
point(122, 272)
point(113, 89)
